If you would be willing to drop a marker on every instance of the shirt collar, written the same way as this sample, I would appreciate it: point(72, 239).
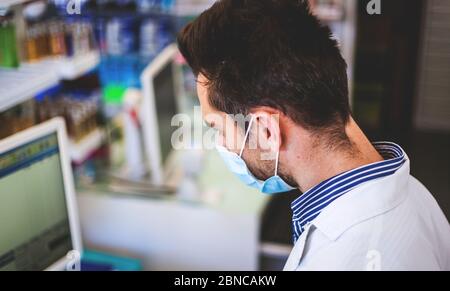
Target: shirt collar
point(309, 206)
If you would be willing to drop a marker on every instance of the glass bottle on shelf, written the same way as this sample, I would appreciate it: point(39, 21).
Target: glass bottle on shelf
point(31, 46)
point(42, 40)
point(8, 48)
point(56, 39)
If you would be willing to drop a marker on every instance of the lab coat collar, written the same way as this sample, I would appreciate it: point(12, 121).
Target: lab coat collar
point(364, 202)
point(297, 252)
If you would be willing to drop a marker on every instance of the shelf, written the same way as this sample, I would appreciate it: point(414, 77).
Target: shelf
point(72, 68)
point(19, 85)
point(81, 150)
point(6, 4)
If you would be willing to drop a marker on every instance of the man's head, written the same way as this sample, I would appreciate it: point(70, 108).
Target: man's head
point(269, 58)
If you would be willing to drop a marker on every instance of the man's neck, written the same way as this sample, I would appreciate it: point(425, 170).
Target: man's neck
point(323, 162)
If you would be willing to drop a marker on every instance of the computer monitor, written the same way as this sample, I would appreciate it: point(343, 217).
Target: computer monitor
point(162, 88)
point(38, 214)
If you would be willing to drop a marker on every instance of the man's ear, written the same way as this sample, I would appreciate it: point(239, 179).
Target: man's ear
point(268, 133)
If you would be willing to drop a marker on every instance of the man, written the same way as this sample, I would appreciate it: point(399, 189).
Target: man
point(361, 209)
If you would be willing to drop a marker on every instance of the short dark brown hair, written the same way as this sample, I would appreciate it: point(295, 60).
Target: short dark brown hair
point(269, 53)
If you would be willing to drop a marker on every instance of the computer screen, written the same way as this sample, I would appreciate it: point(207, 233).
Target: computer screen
point(34, 222)
point(166, 107)
point(161, 84)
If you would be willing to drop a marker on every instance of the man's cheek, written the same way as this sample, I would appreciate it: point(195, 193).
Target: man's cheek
point(220, 139)
point(232, 144)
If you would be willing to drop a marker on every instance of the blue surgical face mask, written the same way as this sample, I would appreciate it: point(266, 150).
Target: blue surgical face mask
point(238, 166)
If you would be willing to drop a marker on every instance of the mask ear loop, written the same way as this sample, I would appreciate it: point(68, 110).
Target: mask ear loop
point(276, 163)
point(246, 136)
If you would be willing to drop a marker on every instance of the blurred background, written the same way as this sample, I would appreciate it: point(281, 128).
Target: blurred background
point(110, 69)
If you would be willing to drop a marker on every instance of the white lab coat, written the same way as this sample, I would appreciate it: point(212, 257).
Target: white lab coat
point(392, 223)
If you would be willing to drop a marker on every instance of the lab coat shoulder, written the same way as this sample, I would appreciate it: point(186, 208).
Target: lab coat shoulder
point(412, 235)
point(431, 221)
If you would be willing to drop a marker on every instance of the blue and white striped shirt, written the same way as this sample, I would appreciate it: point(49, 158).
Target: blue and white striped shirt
point(309, 205)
